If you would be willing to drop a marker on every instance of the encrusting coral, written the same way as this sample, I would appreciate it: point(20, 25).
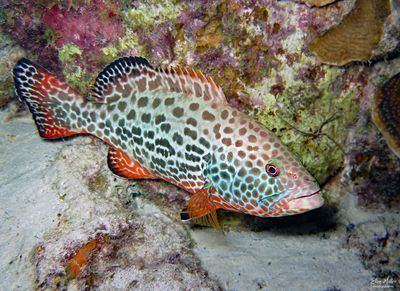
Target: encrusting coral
point(356, 37)
point(386, 112)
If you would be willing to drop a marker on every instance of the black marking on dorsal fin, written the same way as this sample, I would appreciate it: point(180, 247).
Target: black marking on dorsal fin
point(113, 71)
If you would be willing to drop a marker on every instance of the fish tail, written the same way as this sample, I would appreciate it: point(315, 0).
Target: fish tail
point(50, 100)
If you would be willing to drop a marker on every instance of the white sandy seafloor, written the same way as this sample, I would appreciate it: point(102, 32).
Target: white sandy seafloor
point(48, 209)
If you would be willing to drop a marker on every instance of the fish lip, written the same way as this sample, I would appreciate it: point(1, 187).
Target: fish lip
point(306, 203)
point(306, 196)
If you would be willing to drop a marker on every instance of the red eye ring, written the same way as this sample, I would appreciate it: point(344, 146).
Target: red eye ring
point(272, 170)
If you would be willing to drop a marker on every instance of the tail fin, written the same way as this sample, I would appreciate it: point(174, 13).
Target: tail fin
point(45, 96)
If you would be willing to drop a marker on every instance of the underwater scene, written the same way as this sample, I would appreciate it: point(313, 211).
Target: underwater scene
point(200, 145)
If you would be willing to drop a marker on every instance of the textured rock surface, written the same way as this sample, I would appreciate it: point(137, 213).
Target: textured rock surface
point(386, 111)
point(69, 197)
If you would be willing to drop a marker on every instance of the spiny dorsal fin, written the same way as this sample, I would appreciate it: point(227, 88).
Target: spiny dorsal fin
point(118, 68)
point(194, 82)
point(130, 75)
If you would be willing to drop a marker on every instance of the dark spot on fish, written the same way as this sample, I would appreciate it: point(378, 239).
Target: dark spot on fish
point(146, 117)
point(177, 138)
point(91, 128)
point(169, 101)
point(191, 121)
point(156, 102)
point(165, 143)
point(191, 133)
point(131, 115)
point(208, 116)
point(149, 146)
point(66, 106)
point(114, 140)
point(136, 130)
point(159, 119)
point(204, 142)
point(178, 112)
point(158, 161)
point(194, 106)
point(122, 106)
point(192, 157)
point(142, 102)
point(138, 140)
point(150, 134)
point(121, 122)
point(224, 175)
point(223, 186)
point(165, 127)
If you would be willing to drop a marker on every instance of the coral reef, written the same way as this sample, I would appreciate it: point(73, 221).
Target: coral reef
point(356, 37)
point(318, 3)
point(386, 111)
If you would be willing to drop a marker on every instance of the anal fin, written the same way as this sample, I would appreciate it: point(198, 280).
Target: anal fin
point(202, 210)
point(121, 165)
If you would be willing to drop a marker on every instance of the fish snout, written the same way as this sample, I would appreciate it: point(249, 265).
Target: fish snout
point(306, 200)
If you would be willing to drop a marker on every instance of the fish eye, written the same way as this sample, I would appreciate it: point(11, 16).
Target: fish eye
point(272, 170)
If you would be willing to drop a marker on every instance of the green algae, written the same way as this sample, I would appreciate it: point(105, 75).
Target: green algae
point(98, 182)
point(75, 75)
point(50, 36)
point(312, 123)
point(153, 13)
point(113, 51)
point(68, 51)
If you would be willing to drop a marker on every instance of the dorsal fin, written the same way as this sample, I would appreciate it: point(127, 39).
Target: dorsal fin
point(129, 75)
point(118, 68)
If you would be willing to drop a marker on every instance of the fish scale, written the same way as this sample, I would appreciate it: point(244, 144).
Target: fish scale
point(174, 124)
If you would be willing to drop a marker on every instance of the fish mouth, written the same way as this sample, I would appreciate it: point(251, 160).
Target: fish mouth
point(306, 196)
point(306, 202)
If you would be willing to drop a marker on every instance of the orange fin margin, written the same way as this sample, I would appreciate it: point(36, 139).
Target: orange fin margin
point(121, 165)
point(37, 87)
point(202, 210)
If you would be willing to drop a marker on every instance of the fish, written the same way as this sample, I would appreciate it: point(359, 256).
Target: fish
point(174, 124)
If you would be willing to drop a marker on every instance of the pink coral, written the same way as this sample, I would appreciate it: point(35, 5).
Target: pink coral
point(89, 28)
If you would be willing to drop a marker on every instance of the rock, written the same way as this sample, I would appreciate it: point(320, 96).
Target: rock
point(386, 111)
point(10, 53)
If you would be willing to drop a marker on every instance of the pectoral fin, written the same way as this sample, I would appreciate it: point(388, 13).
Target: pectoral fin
point(202, 210)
